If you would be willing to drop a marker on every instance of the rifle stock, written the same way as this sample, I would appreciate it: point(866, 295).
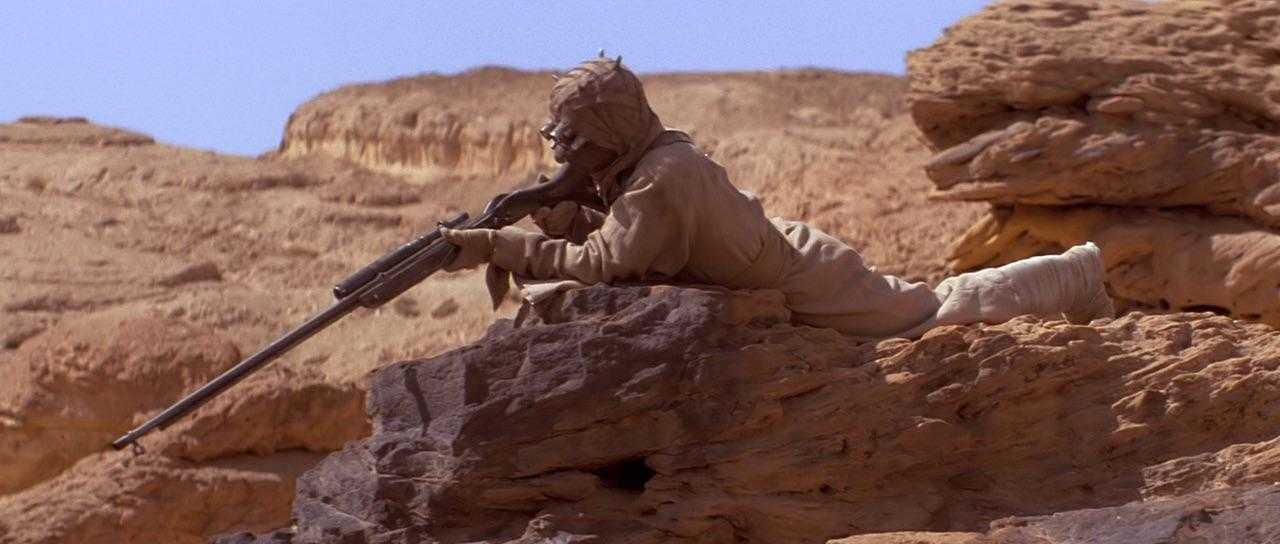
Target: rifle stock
point(382, 280)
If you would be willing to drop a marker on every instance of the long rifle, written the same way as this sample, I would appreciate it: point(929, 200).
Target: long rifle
point(385, 279)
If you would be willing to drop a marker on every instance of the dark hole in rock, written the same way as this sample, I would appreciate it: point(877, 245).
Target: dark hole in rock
point(1206, 308)
point(628, 474)
point(826, 489)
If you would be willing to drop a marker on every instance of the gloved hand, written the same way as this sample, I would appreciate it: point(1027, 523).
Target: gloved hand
point(556, 222)
point(476, 247)
point(568, 221)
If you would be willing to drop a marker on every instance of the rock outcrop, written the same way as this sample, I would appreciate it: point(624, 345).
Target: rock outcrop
point(1164, 117)
point(664, 414)
point(89, 379)
point(230, 465)
point(483, 123)
point(1162, 259)
point(116, 497)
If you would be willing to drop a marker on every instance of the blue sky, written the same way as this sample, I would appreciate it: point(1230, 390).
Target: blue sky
point(224, 75)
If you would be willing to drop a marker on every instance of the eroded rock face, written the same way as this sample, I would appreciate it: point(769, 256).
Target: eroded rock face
point(1245, 515)
point(228, 465)
point(661, 414)
point(117, 497)
point(432, 125)
point(1116, 103)
point(71, 391)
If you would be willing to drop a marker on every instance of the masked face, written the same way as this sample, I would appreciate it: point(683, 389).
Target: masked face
point(568, 146)
point(598, 110)
point(562, 140)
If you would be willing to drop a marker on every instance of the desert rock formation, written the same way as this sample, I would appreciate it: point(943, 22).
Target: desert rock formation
point(666, 414)
point(135, 270)
point(1150, 128)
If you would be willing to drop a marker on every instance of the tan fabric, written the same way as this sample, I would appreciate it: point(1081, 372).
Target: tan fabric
point(828, 285)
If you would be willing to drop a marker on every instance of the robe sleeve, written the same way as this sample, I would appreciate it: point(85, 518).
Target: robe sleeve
point(646, 234)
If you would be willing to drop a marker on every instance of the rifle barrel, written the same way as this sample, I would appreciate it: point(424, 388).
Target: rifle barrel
point(242, 369)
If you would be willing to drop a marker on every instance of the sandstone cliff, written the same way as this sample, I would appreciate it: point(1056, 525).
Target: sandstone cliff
point(663, 414)
point(1150, 128)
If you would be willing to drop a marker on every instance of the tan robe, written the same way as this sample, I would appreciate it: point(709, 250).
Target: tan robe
point(680, 219)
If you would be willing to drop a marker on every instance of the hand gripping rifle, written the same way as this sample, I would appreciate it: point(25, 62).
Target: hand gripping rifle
point(385, 279)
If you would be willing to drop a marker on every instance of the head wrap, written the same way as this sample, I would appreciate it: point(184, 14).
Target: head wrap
point(604, 102)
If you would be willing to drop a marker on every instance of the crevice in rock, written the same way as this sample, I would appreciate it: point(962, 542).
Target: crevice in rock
point(629, 474)
point(1218, 310)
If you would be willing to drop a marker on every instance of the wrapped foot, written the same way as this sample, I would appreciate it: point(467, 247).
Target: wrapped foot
point(1092, 302)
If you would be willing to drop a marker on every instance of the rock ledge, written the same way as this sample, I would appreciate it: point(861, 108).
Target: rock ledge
point(664, 414)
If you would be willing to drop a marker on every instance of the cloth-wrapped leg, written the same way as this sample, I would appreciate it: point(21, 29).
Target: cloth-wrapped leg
point(1071, 284)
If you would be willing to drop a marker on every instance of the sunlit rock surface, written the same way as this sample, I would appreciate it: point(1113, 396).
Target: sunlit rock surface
point(1161, 117)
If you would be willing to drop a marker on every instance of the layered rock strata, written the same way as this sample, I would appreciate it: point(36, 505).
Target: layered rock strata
point(1166, 113)
point(663, 414)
